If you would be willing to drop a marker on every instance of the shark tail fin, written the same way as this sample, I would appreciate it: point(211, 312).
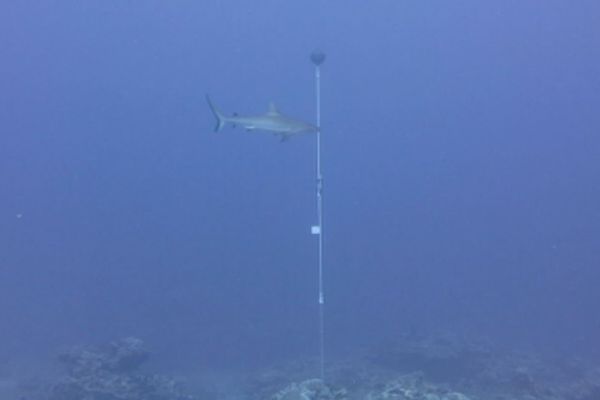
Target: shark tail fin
point(221, 120)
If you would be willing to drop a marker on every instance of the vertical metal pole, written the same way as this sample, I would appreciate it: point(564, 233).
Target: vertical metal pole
point(320, 224)
point(317, 57)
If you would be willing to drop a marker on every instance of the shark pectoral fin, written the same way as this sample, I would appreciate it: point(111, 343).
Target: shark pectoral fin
point(249, 128)
point(284, 137)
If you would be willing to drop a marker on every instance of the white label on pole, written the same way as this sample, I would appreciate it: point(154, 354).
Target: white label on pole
point(315, 230)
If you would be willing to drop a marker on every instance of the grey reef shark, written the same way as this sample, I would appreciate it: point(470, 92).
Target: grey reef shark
point(272, 122)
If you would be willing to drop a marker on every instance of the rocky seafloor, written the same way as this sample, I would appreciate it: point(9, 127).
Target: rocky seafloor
point(431, 368)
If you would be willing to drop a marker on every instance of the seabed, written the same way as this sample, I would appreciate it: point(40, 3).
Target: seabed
point(427, 368)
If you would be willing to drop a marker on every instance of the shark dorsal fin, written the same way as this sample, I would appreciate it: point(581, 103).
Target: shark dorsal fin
point(272, 109)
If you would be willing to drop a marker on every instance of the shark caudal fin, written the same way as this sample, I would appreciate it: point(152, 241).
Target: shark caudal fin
point(221, 120)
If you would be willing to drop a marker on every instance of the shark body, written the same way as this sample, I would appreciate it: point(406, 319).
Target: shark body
point(273, 121)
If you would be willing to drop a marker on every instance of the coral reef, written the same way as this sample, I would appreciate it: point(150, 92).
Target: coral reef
point(312, 389)
point(435, 368)
point(414, 387)
point(476, 368)
point(442, 358)
point(411, 369)
point(109, 373)
point(121, 356)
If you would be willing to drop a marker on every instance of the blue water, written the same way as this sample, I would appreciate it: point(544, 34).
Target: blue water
point(460, 154)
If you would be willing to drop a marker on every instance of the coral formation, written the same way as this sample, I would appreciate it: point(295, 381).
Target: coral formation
point(484, 372)
point(110, 373)
point(312, 389)
point(442, 358)
point(435, 368)
point(412, 369)
point(413, 387)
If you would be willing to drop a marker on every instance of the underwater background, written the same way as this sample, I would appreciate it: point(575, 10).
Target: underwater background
point(461, 158)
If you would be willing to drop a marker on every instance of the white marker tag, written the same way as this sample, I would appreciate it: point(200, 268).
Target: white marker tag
point(315, 230)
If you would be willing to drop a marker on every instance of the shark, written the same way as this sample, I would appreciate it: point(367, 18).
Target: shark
point(272, 121)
